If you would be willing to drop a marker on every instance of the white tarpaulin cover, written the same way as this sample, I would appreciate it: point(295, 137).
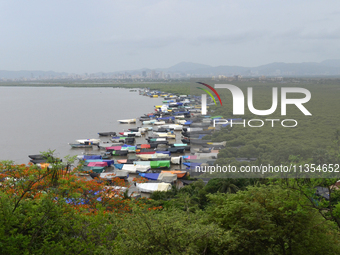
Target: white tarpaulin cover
point(167, 177)
point(149, 156)
point(134, 168)
point(152, 187)
point(176, 160)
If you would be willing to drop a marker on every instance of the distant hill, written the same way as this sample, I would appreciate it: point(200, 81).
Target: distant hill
point(331, 62)
point(327, 67)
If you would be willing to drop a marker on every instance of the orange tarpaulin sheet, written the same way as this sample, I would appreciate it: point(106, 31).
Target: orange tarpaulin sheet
point(180, 174)
point(145, 146)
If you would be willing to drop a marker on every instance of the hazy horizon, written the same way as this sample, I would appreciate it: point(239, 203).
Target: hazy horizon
point(91, 36)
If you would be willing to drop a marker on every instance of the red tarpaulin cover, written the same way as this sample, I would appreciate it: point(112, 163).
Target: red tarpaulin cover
point(114, 148)
point(97, 164)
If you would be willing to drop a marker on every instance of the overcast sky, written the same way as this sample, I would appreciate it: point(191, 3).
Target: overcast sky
point(104, 35)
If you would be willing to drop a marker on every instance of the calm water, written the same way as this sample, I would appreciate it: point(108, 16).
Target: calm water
point(35, 119)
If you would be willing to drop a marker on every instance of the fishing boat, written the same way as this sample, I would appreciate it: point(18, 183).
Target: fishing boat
point(87, 157)
point(156, 143)
point(125, 161)
point(131, 168)
point(89, 141)
point(158, 123)
point(108, 162)
point(129, 148)
point(152, 187)
point(145, 151)
point(37, 156)
point(149, 122)
point(180, 174)
point(161, 130)
point(150, 139)
point(163, 176)
point(97, 164)
point(176, 149)
point(80, 145)
point(110, 176)
point(120, 153)
point(38, 161)
point(166, 135)
point(131, 134)
point(176, 160)
point(107, 133)
point(88, 170)
point(127, 121)
point(127, 140)
point(175, 127)
point(104, 145)
point(153, 156)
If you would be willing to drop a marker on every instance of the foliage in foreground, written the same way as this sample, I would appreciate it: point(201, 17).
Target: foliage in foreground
point(52, 210)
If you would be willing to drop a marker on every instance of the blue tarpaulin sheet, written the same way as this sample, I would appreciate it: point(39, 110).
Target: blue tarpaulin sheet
point(119, 166)
point(92, 157)
point(150, 176)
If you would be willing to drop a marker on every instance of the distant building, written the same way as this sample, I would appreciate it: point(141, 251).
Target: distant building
point(238, 77)
point(153, 74)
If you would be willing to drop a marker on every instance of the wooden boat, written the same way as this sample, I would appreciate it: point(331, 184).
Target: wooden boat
point(120, 153)
point(163, 176)
point(89, 141)
point(152, 187)
point(162, 130)
point(156, 156)
point(131, 134)
point(127, 140)
point(37, 156)
point(80, 145)
point(109, 176)
point(154, 143)
point(38, 161)
point(87, 157)
point(166, 135)
point(145, 151)
point(125, 161)
point(127, 121)
point(158, 123)
point(157, 139)
point(160, 164)
point(149, 122)
point(104, 145)
point(176, 149)
point(175, 127)
point(107, 133)
point(88, 169)
point(146, 146)
point(135, 168)
point(180, 174)
point(176, 160)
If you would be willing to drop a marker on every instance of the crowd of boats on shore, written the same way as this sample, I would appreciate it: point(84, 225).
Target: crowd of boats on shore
point(172, 145)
